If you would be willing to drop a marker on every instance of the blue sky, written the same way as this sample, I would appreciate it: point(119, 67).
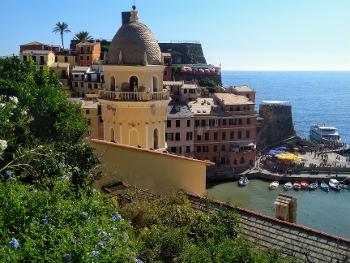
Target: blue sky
point(239, 34)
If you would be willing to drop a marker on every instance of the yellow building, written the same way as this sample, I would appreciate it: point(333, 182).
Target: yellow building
point(134, 103)
point(67, 58)
point(40, 57)
point(62, 70)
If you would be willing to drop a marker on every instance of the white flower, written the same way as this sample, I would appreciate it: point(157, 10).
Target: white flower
point(2, 105)
point(14, 99)
point(3, 145)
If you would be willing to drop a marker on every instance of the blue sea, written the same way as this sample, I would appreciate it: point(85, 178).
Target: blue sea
point(316, 97)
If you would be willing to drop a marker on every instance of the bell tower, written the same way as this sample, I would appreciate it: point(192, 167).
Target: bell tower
point(134, 103)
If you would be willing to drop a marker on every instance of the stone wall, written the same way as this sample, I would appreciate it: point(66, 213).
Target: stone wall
point(277, 123)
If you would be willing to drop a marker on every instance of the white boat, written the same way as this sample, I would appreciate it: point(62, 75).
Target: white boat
point(274, 185)
point(324, 134)
point(288, 186)
point(334, 184)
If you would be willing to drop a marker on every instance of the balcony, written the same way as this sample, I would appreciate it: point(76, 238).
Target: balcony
point(133, 96)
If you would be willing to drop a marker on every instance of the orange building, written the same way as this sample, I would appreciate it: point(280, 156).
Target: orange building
point(88, 53)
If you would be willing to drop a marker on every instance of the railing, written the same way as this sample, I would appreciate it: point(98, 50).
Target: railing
point(133, 96)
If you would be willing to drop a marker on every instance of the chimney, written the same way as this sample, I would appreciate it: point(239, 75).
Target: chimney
point(126, 17)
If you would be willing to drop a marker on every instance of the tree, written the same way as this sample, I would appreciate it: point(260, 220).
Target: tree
point(61, 27)
point(83, 36)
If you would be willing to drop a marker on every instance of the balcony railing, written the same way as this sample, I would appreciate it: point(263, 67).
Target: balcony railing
point(133, 96)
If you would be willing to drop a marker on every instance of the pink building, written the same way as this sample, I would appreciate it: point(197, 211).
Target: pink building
point(179, 130)
point(225, 130)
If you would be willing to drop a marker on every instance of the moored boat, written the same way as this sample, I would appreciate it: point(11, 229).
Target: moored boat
point(304, 185)
point(313, 186)
point(334, 184)
point(274, 185)
point(324, 186)
point(244, 181)
point(297, 186)
point(325, 135)
point(288, 186)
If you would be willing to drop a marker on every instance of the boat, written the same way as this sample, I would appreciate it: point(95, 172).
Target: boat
point(274, 185)
point(324, 186)
point(297, 186)
point(325, 135)
point(244, 181)
point(334, 184)
point(288, 186)
point(304, 185)
point(313, 186)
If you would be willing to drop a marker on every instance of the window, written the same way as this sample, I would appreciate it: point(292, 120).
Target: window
point(177, 136)
point(87, 111)
point(185, 91)
point(34, 59)
point(239, 135)
point(203, 123)
point(205, 149)
point(215, 148)
point(230, 121)
point(173, 149)
point(89, 122)
point(223, 148)
point(96, 86)
point(180, 149)
point(215, 136)
point(232, 135)
point(42, 62)
point(24, 58)
point(211, 123)
point(223, 160)
point(214, 159)
point(188, 123)
point(81, 57)
point(155, 83)
point(87, 57)
point(133, 84)
point(81, 50)
point(240, 121)
point(248, 121)
point(242, 161)
point(188, 149)
point(76, 84)
point(199, 137)
point(178, 123)
point(224, 135)
point(82, 84)
point(197, 123)
point(235, 161)
point(189, 136)
point(89, 86)
point(169, 136)
point(224, 122)
point(247, 134)
point(168, 123)
point(206, 136)
point(199, 149)
point(66, 59)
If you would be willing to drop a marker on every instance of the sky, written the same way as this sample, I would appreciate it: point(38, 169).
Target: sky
point(238, 34)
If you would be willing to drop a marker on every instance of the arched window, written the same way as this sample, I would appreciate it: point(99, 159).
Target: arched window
point(242, 160)
point(155, 83)
point(134, 84)
point(235, 161)
point(155, 139)
point(112, 135)
point(112, 83)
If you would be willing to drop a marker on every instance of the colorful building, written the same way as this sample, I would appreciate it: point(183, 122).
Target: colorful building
point(134, 104)
point(225, 130)
point(180, 128)
point(62, 70)
point(40, 57)
point(88, 53)
point(35, 45)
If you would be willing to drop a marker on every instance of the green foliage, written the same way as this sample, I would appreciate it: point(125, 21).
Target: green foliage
point(170, 230)
point(49, 225)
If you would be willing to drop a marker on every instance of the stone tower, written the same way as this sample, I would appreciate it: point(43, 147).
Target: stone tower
point(133, 102)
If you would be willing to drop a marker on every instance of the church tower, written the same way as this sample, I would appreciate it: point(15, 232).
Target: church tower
point(133, 102)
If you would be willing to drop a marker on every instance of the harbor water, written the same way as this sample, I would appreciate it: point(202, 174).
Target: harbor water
point(327, 212)
point(316, 98)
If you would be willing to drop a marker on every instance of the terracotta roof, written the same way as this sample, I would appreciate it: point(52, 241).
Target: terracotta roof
point(34, 43)
point(232, 99)
point(294, 240)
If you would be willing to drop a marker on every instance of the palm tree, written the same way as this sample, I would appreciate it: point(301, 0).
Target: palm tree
point(83, 36)
point(61, 27)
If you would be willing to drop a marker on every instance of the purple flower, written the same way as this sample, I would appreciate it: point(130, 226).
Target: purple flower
point(117, 217)
point(45, 220)
point(101, 244)
point(67, 257)
point(95, 254)
point(138, 260)
point(13, 243)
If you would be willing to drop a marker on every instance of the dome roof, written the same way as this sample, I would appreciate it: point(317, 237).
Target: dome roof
point(134, 44)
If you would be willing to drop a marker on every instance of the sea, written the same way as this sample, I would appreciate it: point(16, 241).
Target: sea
point(316, 98)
